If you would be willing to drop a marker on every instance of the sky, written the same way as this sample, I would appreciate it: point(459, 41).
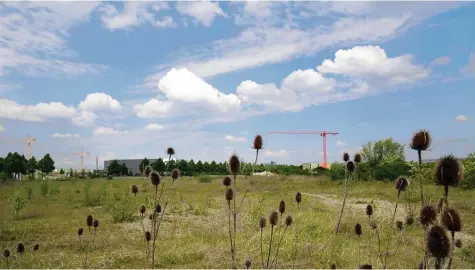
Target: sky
point(129, 79)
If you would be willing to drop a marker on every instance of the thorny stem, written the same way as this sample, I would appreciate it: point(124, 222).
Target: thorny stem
point(242, 201)
point(255, 162)
point(230, 235)
point(234, 219)
point(369, 238)
point(154, 224)
point(262, 250)
point(270, 244)
point(340, 216)
point(389, 230)
point(399, 242)
point(359, 248)
point(379, 246)
point(295, 236)
point(278, 246)
point(452, 255)
point(145, 240)
point(419, 154)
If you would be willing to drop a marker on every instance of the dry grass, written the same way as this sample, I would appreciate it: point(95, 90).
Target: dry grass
point(194, 234)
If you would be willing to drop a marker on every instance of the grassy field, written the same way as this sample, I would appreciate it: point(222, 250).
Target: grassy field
point(195, 232)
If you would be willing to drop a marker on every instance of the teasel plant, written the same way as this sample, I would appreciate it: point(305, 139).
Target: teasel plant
point(401, 186)
point(369, 213)
point(451, 221)
point(288, 223)
point(437, 245)
point(421, 141)
point(374, 226)
point(230, 197)
point(358, 232)
point(262, 225)
point(298, 200)
point(257, 145)
point(273, 219)
point(6, 255)
point(20, 250)
point(94, 223)
point(400, 227)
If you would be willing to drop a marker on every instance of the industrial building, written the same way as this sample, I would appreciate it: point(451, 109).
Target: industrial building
point(312, 165)
point(132, 164)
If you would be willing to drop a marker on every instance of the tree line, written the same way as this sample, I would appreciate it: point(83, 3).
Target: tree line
point(15, 163)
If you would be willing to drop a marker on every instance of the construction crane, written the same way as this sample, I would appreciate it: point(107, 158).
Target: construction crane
point(29, 140)
point(81, 155)
point(321, 133)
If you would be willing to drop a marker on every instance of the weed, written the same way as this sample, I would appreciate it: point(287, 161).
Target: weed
point(204, 179)
point(18, 202)
point(44, 187)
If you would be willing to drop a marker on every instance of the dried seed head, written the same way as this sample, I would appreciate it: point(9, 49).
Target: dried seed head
point(282, 207)
point(428, 215)
point(288, 221)
point(170, 151)
point(248, 264)
point(89, 220)
point(451, 220)
point(257, 142)
point(273, 218)
point(175, 174)
point(155, 178)
point(350, 166)
point(80, 231)
point(409, 220)
point(96, 223)
point(36, 247)
point(437, 242)
point(135, 189)
point(366, 266)
point(374, 226)
point(448, 171)
point(421, 140)
point(458, 243)
point(298, 197)
point(20, 248)
point(357, 158)
point(229, 194)
point(148, 236)
point(346, 157)
point(6, 253)
point(262, 222)
point(401, 183)
point(142, 210)
point(358, 229)
point(158, 208)
point(399, 225)
point(227, 181)
point(147, 171)
point(333, 266)
point(151, 216)
point(234, 164)
point(369, 210)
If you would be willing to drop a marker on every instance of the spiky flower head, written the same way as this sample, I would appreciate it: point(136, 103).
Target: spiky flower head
point(80, 232)
point(135, 189)
point(96, 223)
point(288, 221)
point(170, 151)
point(262, 222)
point(448, 171)
point(234, 164)
point(421, 140)
point(257, 142)
point(369, 210)
point(409, 220)
point(350, 166)
point(89, 220)
point(158, 208)
point(333, 266)
point(451, 220)
point(147, 171)
point(142, 210)
point(36, 247)
point(458, 243)
point(6, 253)
point(437, 242)
point(401, 183)
point(273, 218)
point(358, 229)
point(248, 264)
point(175, 174)
point(148, 236)
point(357, 158)
point(366, 266)
point(399, 225)
point(346, 157)
point(227, 181)
point(20, 248)
point(229, 194)
point(427, 215)
point(282, 207)
point(155, 178)
point(298, 197)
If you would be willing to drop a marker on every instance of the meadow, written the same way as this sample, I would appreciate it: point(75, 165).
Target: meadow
point(195, 229)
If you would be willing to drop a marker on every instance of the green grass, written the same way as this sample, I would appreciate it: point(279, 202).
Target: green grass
point(195, 233)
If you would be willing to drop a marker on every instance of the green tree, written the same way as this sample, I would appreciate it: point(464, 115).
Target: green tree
point(199, 167)
point(124, 170)
point(32, 165)
point(15, 163)
point(71, 173)
point(61, 171)
point(383, 150)
point(183, 166)
point(206, 167)
point(159, 165)
point(114, 168)
point(144, 163)
point(46, 164)
point(191, 168)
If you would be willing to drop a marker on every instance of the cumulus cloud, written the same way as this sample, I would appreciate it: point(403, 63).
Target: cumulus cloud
point(153, 108)
point(35, 113)
point(107, 131)
point(65, 135)
point(234, 139)
point(84, 118)
point(204, 12)
point(440, 61)
point(461, 118)
point(154, 127)
point(99, 101)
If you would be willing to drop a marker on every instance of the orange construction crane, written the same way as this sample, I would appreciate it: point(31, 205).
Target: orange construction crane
point(321, 133)
point(28, 141)
point(81, 155)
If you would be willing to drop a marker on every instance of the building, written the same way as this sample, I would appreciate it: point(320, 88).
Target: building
point(312, 165)
point(132, 164)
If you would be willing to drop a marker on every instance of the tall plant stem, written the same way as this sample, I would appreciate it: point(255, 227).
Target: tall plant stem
point(278, 246)
point(419, 154)
point(262, 250)
point(359, 248)
point(340, 216)
point(452, 255)
point(270, 244)
point(255, 162)
point(379, 246)
point(390, 229)
point(234, 218)
point(143, 234)
point(230, 236)
point(154, 224)
point(295, 236)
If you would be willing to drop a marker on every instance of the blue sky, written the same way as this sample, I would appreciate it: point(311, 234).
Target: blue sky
point(128, 79)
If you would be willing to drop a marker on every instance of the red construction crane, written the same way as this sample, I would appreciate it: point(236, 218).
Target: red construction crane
point(29, 140)
point(321, 133)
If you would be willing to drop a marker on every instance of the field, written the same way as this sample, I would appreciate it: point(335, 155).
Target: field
point(195, 232)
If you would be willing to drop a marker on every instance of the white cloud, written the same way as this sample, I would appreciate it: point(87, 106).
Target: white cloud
point(99, 101)
point(203, 11)
point(107, 131)
point(84, 118)
point(235, 139)
point(340, 143)
point(461, 118)
point(154, 127)
point(469, 69)
point(65, 135)
point(35, 113)
point(440, 61)
point(276, 153)
point(153, 108)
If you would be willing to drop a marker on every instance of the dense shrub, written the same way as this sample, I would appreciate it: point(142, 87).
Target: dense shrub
point(391, 170)
point(204, 179)
point(44, 187)
point(468, 181)
point(18, 202)
point(120, 208)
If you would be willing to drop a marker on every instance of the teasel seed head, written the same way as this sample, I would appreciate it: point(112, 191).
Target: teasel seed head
point(6, 253)
point(151, 216)
point(227, 181)
point(155, 178)
point(401, 183)
point(399, 225)
point(89, 220)
point(333, 266)
point(409, 220)
point(229, 194)
point(298, 197)
point(366, 266)
point(374, 226)
point(96, 223)
point(20, 248)
point(148, 236)
point(175, 174)
point(350, 166)
point(248, 264)
point(36, 247)
point(147, 171)
point(458, 243)
point(135, 189)
point(369, 210)
point(170, 151)
point(358, 229)
point(142, 210)
point(234, 164)
point(282, 207)
point(273, 218)
point(257, 142)
point(288, 221)
point(448, 171)
point(428, 215)
point(421, 140)
point(80, 232)
point(357, 158)
point(437, 242)
point(262, 222)
point(346, 157)
point(158, 208)
point(451, 220)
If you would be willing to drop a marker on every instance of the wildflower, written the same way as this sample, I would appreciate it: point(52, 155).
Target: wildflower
point(298, 197)
point(234, 164)
point(155, 178)
point(401, 183)
point(175, 174)
point(147, 171)
point(288, 221)
point(346, 157)
point(80, 232)
point(437, 242)
point(274, 216)
point(248, 264)
point(282, 207)
point(227, 181)
point(36, 247)
point(89, 221)
point(258, 142)
point(142, 210)
point(148, 236)
point(350, 166)
point(358, 229)
point(369, 210)
point(399, 225)
point(427, 215)
point(448, 172)
point(158, 208)
point(451, 220)
point(170, 151)
point(20, 248)
point(357, 158)
point(229, 194)
point(96, 223)
point(421, 140)
point(458, 243)
point(135, 189)
point(262, 222)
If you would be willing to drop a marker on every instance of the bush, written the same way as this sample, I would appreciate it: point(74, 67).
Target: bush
point(109, 177)
point(204, 179)
point(18, 202)
point(468, 181)
point(29, 191)
point(121, 209)
point(54, 190)
point(89, 198)
point(337, 171)
point(44, 187)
